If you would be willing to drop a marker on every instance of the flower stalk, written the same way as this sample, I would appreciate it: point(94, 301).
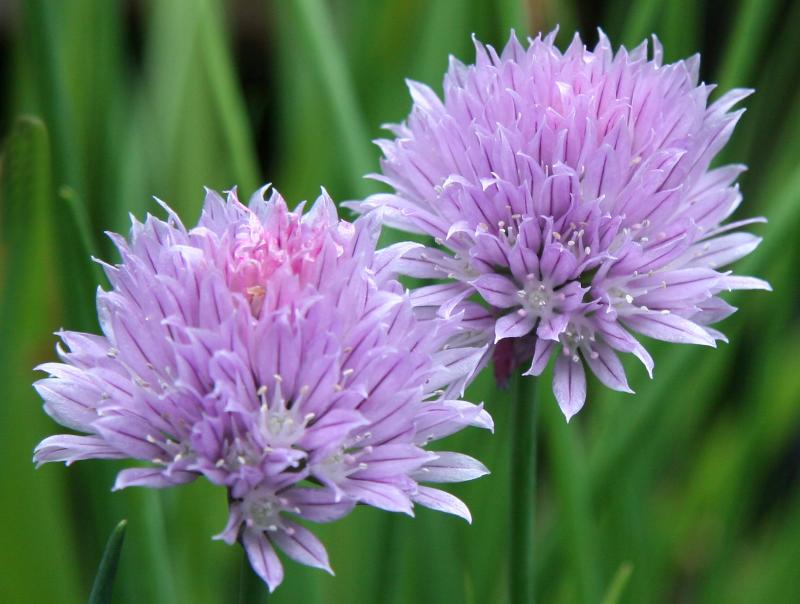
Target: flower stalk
point(523, 492)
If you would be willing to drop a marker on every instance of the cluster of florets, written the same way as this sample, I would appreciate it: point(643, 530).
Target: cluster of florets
point(273, 353)
point(572, 192)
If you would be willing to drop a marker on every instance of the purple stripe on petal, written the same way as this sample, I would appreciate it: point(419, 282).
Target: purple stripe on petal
point(541, 355)
point(263, 558)
point(319, 505)
point(552, 328)
point(569, 385)
point(301, 545)
point(605, 364)
point(668, 327)
point(513, 325)
point(380, 495)
point(497, 290)
point(723, 250)
point(450, 467)
point(69, 448)
point(734, 282)
point(155, 478)
point(442, 502)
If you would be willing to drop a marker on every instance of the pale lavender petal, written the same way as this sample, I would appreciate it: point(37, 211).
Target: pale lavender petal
point(334, 426)
point(263, 558)
point(724, 250)
point(442, 502)
point(669, 328)
point(541, 355)
point(129, 435)
point(451, 467)
point(232, 528)
point(569, 385)
point(605, 364)
point(384, 496)
point(497, 290)
point(558, 264)
point(155, 478)
point(70, 403)
point(319, 505)
point(69, 448)
point(552, 327)
point(302, 546)
point(513, 325)
point(735, 282)
point(392, 458)
point(672, 289)
point(446, 417)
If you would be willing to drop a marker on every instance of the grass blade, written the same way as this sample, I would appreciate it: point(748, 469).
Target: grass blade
point(28, 304)
point(617, 586)
point(104, 581)
point(313, 24)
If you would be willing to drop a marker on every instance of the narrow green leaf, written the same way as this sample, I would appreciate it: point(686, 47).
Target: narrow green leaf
point(80, 217)
point(639, 21)
point(52, 79)
point(513, 14)
point(227, 98)
point(104, 581)
point(34, 537)
point(749, 34)
point(618, 584)
point(313, 24)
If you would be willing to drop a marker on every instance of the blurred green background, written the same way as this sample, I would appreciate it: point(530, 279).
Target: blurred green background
point(689, 488)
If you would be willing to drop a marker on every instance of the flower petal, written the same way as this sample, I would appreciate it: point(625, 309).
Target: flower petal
point(513, 325)
point(263, 558)
point(301, 545)
point(668, 327)
point(450, 467)
point(497, 290)
point(569, 385)
point(442, 502)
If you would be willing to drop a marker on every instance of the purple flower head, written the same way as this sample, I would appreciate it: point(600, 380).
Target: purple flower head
point(273, 353)
point(572, 192)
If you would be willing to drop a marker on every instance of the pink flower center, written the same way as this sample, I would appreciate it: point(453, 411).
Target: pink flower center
point(258, 251)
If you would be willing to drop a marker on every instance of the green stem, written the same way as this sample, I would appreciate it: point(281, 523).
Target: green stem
point(162, 576)
point(571, 488)
point(523, 494)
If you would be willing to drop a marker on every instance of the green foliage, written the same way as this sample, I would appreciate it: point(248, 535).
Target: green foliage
point(691, 483)
point(104, 581)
